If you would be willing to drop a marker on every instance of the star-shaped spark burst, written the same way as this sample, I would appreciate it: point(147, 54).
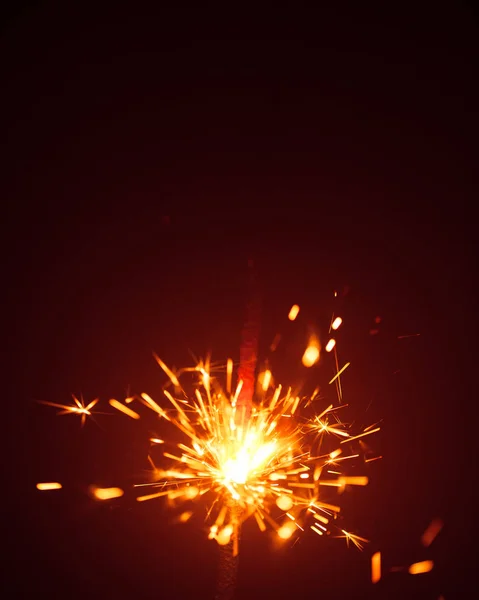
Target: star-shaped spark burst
point(78, 408)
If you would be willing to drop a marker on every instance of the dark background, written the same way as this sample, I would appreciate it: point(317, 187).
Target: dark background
point(149, 155)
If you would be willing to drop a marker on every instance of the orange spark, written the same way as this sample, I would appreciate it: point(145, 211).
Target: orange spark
point(356, 437)
point(266, 380)
point(336, 323)
point(106, 493)
point(311, 354)
point(53, 485)
point(339, 373)
point(376, 567)
point(330, 345)
point(78, 408)
point(229, 373)
point(293, 313)
point(124, 409)
point(431, 532)
point(421, 567)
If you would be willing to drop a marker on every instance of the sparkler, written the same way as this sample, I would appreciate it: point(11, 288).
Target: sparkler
point(274, 460)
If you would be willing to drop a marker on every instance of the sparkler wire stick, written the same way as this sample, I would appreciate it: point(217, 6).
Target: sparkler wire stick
point(228, 559)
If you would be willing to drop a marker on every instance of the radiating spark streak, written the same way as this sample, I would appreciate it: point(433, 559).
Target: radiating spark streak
point(156, 441)
point(320, 518)
point(356, 437)
point(421, 567)
point(354, 480)
point(346, 457)
point(319, 505)
point(151, 496)
point(339, 373)
point(53, 485)
point(371, 426)
point(376, 567)
point(316, 530)
point(339, 389)
point(229, 374)
point(124, 409)
point(431, 532)
point(330, 345)
point(403, 337)
point(367, 460)
point(336, 323)
point(237, 392)
point(153, 405)
point(355, 539)
point(78, 408)
point(293, 313)
point(106, 493)
point(172, 377)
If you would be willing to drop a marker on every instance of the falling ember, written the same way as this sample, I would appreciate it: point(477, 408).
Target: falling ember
point(336, 324)
point(54, 485)
point(431, 532)
point(376, 567)
point(293, 313)
point(421, 567)
point(330, 345)
point(106, 493)
point(311, 354)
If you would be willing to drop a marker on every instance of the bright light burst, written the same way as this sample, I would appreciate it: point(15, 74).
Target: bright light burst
point(283, 466)
point(78, 408)
point(272, 463)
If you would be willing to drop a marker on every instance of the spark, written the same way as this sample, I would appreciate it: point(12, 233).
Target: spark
point(356, 437)
point(421, 567)
point(53, 485)
point(78, 408)
point(339, 373)
point(311, 354)
point(336, 324)
point(272, 465)
point(293, 313)
point(431, 532)
point(403, 337)
point(376, 567)
point(330, 345)
point(266, 380)
point(106, 493)
point(124, 409)
point(258, 466)
point(355, 539)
